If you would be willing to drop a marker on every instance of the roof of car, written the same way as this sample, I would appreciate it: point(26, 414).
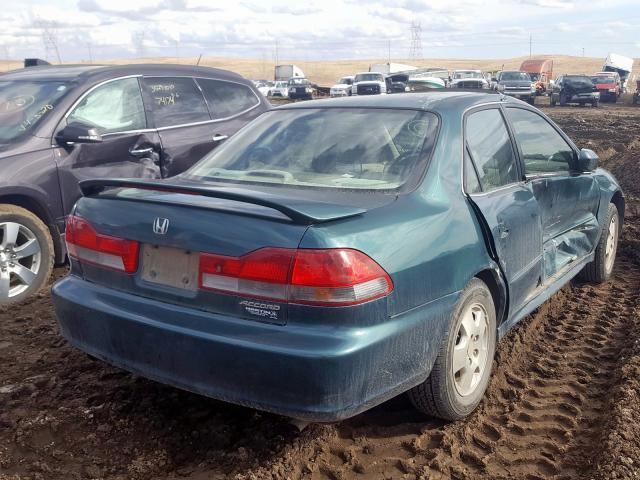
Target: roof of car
point(102, 72)
point(435, 100)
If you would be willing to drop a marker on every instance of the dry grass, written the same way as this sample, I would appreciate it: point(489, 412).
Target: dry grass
point(327, 72)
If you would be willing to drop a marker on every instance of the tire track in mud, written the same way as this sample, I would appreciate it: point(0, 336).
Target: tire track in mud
point(542, 416)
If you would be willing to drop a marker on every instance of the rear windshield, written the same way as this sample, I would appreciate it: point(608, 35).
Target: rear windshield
point(345, 81)
point(23, 104)
point(578, 81)
point(326, 148)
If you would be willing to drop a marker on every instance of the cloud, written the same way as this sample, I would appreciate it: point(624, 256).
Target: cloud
point(561, 4)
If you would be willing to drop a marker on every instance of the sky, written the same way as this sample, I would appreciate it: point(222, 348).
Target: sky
point(316, 30)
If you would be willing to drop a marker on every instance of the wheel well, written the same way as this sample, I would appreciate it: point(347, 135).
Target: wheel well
point(498, 292)
point(618, 201)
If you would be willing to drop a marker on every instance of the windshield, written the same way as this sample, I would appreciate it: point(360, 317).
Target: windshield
point(515, 76)
point(603, 79)
point(368, 77)
point(467, 74)
point(299, 81)
point(345, 81)
point(325, 148)
point(24, 103)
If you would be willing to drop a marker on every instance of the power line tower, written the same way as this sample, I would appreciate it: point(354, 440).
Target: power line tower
point(416, 41)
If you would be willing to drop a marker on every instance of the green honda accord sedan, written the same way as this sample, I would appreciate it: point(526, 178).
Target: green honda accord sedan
point(336, 253)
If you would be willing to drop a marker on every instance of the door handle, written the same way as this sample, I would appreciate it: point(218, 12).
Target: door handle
point(219, 138)
point(141, 152)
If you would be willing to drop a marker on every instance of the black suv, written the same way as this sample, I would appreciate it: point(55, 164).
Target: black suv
point(60, 125)
point(574, 89)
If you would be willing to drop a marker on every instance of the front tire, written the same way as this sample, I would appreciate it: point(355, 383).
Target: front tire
point(601, 268)
point(461, 372)
point(26, 254)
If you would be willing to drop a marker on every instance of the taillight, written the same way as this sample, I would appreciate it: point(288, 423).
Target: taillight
point(88, 246)
point(332, 277)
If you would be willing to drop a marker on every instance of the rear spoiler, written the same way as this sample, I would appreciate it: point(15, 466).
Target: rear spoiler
point(303, 212)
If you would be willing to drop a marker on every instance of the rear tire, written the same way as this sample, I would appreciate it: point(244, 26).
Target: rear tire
point(552, 102)
point(26, 254)
point(595, 103)
point(461, 372)
point(601, 268)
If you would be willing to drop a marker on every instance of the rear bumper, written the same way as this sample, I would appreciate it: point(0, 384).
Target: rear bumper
point(312, 373)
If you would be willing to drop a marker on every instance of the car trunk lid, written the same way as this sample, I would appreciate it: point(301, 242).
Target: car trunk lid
point(176, 222)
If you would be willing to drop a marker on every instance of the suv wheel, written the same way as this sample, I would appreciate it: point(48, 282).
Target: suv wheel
point(594, 103)
point(26, 254)
point(461, 372)
point(601, 268)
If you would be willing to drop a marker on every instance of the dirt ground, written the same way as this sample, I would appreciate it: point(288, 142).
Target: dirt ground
point(563, 403)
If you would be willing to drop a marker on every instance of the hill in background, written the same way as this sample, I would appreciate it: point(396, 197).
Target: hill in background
point(326, 72)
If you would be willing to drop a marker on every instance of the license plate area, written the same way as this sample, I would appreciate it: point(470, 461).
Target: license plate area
point(170, 267)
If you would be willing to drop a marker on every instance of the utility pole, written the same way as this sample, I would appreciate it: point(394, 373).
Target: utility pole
point(530, 44)
point(389, 51)
point(583, 51)
point(90, 55)
point(276, 52)
point(416, 41)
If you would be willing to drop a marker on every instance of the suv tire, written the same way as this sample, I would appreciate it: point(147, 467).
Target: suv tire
point(26, 254)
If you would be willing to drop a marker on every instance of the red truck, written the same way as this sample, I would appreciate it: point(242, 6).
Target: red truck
point(609, 85)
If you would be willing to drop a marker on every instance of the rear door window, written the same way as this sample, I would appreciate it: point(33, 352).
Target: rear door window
point(490, 148)
point(113, 107)
point(226, 99)
point(175, 101)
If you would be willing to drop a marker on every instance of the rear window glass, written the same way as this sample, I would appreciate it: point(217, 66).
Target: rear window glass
point(226, 99)
point(326, 148)
point(175, 101)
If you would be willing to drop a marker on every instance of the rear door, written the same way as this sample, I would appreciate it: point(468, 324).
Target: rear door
point(193, 116)
point(568, 199)
point(179, 112)
point(510, 211)
point(129, 148)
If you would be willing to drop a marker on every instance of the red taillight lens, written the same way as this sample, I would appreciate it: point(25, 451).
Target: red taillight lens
point(263, 273)
point(88, 246)
point(338, 276)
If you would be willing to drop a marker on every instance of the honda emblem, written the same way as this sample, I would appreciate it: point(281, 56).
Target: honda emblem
point(160, 225)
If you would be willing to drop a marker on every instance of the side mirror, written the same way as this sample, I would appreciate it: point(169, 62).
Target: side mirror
point(78, 133)
point(587, 160)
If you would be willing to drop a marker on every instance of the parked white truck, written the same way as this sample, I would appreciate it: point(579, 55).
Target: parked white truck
point(621, 64)
point(369, 83)
point(287, 72)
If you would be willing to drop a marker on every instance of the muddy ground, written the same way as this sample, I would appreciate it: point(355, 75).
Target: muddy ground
point(564, 401)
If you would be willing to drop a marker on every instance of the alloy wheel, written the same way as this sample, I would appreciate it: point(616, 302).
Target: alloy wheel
point(611, 245)
point(470, 351)
point(20, 259)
